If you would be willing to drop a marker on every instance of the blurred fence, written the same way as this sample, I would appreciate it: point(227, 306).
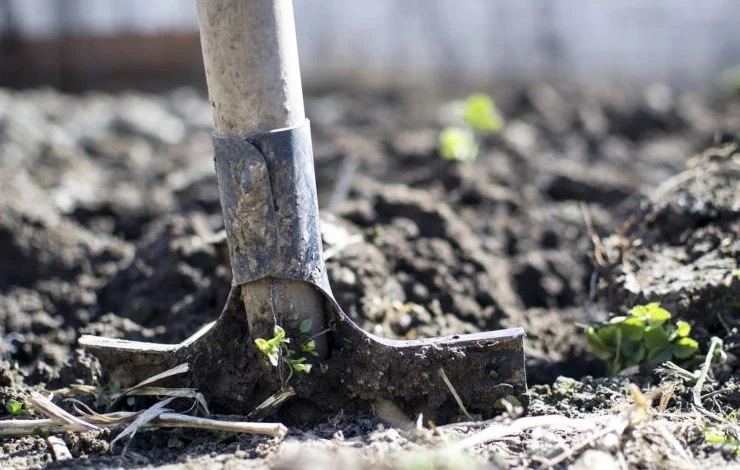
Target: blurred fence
point(684, 42)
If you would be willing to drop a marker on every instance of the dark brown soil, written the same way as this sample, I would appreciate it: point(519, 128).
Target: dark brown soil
point(109, 223)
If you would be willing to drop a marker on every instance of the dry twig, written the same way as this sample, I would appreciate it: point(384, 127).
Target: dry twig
point(454, 393)
point(497, 431)
point(142, 418)
point(27, 427)
point(44, 406)
point(703, 374)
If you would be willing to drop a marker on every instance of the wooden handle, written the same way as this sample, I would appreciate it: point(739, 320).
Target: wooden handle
point(251, 61)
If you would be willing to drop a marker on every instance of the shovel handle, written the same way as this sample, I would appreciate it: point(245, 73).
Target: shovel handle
point(250, 55)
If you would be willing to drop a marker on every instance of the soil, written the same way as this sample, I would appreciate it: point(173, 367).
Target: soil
point(110, 224)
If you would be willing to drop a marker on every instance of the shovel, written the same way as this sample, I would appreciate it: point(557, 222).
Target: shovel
point(281, 333)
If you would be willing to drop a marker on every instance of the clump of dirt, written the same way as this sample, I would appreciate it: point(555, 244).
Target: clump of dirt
point(682, 249)
point(110, 224)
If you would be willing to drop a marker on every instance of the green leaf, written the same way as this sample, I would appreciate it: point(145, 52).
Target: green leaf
point(273, 356)
point(309, 346)
point(632, 328)
point(261, 344)
point(268, 349)
point(301, 368)
point(633, 352)
point(660, 355)
point(682, 328)
point(456, 144)
point(610, 335)
point(656, 337)
point(480, 112)
point(14, 407)
point(715, 436)
point(652, 312)
point(685, 347)
point(305, 326)
point(279, 333)
point(600, 349)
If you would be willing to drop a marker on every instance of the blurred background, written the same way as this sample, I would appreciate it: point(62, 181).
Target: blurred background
point(113, 44)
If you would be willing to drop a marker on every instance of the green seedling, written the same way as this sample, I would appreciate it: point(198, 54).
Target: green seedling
point(305, 326)
point(478, 116)
point(645, 335)
point(457, 144)
point(276, 349)
point(272, 347)
point(15, 407)
point(719, 437)
point(479, 112)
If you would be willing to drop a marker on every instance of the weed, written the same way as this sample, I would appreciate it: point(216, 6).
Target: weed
point(15, 407)
point(479, 112)
point(457, 144)
point(645, 335)
point(276, 349)
point(305, 326)
point(717, 436)
point(478, 116)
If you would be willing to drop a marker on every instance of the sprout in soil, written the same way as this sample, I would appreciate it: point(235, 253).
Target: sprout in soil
point(475, 117)
point(276, 349)
point(645, 335)
point(15, 407)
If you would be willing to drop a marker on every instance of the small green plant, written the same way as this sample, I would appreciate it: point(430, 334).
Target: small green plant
point(478, 116)
point(720, 437)
point(277, 349)
point(15, 407)
point(479, 112)
point(457, 144)
point(645, 335)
